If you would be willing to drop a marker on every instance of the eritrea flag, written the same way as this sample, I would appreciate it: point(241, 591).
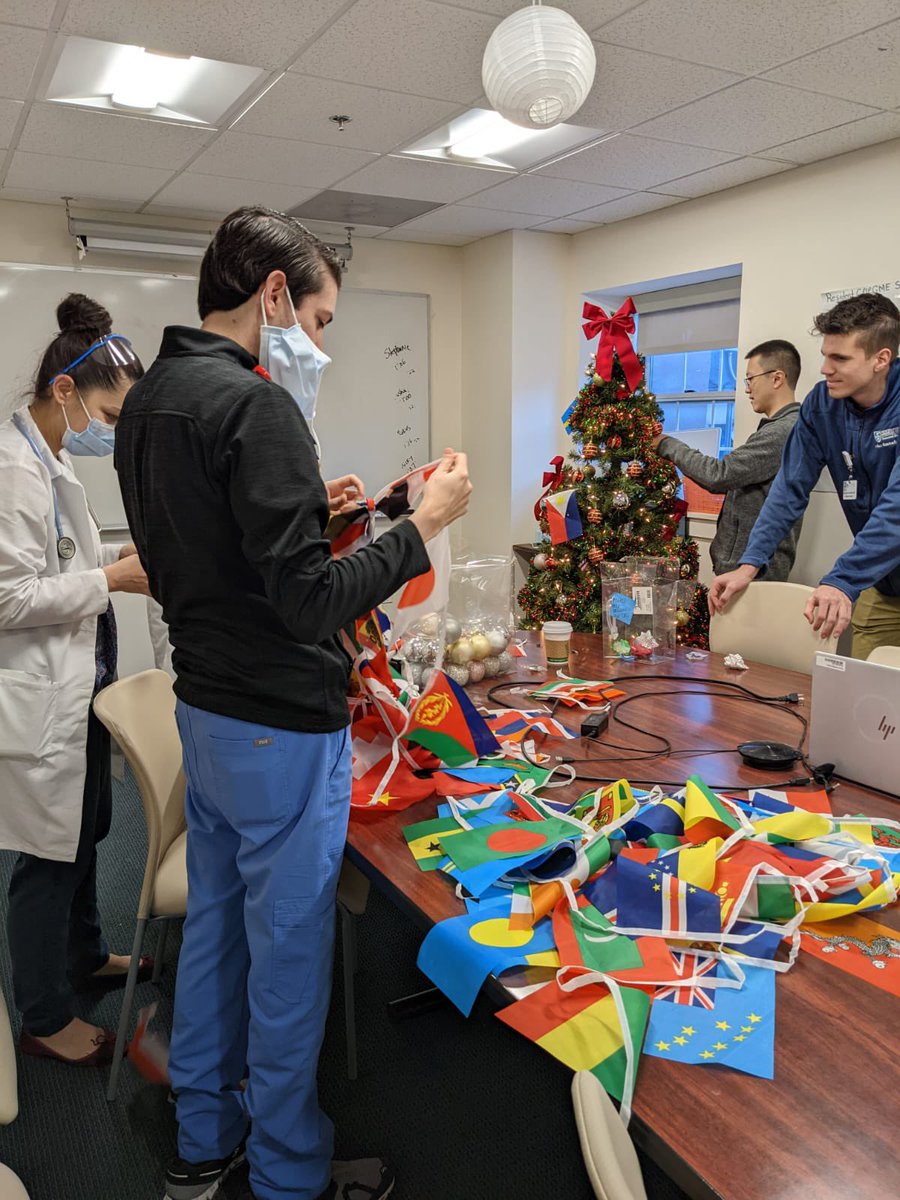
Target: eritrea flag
point(446, 722)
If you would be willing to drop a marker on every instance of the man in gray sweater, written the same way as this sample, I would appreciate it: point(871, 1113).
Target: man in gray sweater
point(745, 475)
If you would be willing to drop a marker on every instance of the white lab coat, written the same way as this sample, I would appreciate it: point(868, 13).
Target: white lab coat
point(48, 626)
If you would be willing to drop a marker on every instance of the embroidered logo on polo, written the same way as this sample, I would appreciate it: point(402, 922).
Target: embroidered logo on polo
point(887, 437)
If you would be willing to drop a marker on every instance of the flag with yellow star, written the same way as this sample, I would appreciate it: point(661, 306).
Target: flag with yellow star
point(737, 1030)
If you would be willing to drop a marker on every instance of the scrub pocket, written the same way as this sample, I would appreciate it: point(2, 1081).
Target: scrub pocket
point(297, 942)
point(27, 715)
point(250, 778)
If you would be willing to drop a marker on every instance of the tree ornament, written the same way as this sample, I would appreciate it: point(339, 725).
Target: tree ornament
point(452, 629)
point(461, 652)
point(686, 571)
point(589, 471)
point(481, 647)
point(620, 500)
point(590, 450)
point(539, 562)
point(657, 428)
point(635, 470)
point(552, 564)
point(597, 380)
point(595, 516)
point(476, 671)
point(669, 489)
point(595, 555)
point(614, 442)
point(491, 666)
point(621, 647)
point(681, 616)
point(505, 661)
point(498, 639)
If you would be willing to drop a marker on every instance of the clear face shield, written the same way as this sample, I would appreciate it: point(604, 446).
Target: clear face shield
point(114, 350)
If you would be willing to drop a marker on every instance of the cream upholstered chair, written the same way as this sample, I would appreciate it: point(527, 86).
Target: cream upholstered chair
point(766, 624)
point(139, 712)
point(610, 1158)
point(11, 1187)
point(885, 656)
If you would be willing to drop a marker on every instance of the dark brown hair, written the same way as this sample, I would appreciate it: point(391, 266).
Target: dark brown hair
point(874, 318)
point(778, 355)
point(82, 322)
point(250, 244)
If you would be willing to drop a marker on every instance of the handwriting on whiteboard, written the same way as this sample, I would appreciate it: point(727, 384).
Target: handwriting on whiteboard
point(409, 441)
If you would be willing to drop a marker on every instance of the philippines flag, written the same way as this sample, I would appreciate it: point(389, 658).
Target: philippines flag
point(563, 517)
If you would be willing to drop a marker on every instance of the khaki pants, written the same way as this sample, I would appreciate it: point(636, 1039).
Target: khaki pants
point(875, 621)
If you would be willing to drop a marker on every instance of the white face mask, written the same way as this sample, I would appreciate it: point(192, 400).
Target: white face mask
point(295, 362)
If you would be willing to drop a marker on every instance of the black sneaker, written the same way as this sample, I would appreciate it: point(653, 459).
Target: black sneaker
point(200, 1181)
point(360, 1179)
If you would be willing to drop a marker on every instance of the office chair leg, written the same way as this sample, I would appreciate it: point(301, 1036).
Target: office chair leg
point(348, 945)
point(125, 1016)
point(160, 950)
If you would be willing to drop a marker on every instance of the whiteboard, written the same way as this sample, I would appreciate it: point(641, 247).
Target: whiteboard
point(373, 412)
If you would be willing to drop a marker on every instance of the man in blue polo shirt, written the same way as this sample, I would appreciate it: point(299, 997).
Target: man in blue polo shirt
point(849, 423)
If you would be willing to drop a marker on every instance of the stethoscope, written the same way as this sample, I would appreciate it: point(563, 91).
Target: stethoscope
point(65, 546)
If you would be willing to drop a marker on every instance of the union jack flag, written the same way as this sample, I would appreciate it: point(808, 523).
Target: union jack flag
point(688, 966)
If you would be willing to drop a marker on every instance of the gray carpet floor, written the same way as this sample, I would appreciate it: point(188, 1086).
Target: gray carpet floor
point(465, 1109)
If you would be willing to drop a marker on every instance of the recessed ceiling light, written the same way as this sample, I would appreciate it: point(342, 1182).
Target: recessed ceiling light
point(481, 137)
point(170, 87)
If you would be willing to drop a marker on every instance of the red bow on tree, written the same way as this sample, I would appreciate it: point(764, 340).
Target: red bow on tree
point(615, 334)
point(551, 480)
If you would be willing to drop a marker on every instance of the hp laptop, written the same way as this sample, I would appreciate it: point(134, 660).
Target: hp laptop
point(855, 720)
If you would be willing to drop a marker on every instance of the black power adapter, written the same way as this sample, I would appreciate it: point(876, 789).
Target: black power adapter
point(595, 723)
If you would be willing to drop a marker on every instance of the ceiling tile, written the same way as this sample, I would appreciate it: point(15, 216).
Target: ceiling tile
point(616, 102)
point(37, 196)
point(588, 13)
point(298, 107)
point(276, 160)
point(36, 13)
point(419, 179)
point(544, 196)
point(864, 68)
point(109, 137)
point(456, 225)
point(19, 52)
point(565, 225)
point(880, 128)
point(260, 33)
point(634, 205)
point(739, 36)
point(752, 115)
point(412, 46)
point(82, 178)
point(212, 195)
point(633, 162)
point(10, 111)
point(742, 170)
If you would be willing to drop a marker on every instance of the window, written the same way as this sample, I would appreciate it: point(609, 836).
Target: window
point(695, 390)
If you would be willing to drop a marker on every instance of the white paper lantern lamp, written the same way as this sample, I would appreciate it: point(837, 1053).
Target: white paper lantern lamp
point(538, 67)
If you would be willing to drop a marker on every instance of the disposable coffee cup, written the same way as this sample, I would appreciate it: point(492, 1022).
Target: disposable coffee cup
point(557, 636)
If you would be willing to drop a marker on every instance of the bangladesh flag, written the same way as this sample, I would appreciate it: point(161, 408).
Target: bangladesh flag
point(446, 722)
point(582, 1029)
point(508, 840)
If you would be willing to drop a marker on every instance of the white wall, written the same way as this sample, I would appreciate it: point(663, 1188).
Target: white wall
point(826, 226)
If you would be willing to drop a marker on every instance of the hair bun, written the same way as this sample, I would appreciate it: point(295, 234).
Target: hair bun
point(80, 314)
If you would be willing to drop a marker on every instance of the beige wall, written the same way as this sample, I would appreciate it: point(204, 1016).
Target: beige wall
point(818, 228)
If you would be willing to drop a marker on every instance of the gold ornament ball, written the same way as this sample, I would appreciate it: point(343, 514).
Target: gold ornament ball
point(597, 380)
point(461, 652)
point(681, 616)
point(481, 647)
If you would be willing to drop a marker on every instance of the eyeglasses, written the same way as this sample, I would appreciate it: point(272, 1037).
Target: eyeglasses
point(748, 378)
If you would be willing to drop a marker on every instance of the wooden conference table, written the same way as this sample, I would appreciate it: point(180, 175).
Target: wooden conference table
point(826, 1127)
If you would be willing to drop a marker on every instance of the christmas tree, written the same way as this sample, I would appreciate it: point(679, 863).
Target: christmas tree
point(614, 497)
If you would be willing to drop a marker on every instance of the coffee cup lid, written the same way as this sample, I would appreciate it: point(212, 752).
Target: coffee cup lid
point(557, 629)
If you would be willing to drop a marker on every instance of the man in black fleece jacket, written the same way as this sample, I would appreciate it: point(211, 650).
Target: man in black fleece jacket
point(218, 469)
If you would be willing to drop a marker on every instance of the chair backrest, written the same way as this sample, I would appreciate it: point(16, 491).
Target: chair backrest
point(609, 1157)
point(886, 656)
point(766, 624)
point(139, 712)
point(9, 1091)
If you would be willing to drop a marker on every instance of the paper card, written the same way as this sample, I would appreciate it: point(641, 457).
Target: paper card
point(622, 608)
point(643, 601)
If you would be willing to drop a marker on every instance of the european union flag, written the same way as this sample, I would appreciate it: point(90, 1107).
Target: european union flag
point(737, 1031)
point(649, 896)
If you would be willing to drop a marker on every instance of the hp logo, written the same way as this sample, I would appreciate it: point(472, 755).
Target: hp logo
point(885, 730)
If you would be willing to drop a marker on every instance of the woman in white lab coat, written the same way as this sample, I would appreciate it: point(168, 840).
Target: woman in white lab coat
point(57, 648)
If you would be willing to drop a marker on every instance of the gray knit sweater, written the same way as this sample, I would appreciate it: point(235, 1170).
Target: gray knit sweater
point(745, 476)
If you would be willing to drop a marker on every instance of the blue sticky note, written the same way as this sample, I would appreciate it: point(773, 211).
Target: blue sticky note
point(621, 607)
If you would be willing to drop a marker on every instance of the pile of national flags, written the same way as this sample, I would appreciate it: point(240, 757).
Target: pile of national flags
point(659, 922)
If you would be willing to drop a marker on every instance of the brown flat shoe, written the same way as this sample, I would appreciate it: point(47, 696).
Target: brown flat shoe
point(108, 983)
point(105, 1044)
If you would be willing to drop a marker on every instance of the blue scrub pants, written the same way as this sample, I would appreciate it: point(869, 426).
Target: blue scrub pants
point(267, 817)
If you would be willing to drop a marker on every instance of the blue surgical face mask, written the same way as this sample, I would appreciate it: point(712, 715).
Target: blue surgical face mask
point(295, 362)
point(97, 439)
